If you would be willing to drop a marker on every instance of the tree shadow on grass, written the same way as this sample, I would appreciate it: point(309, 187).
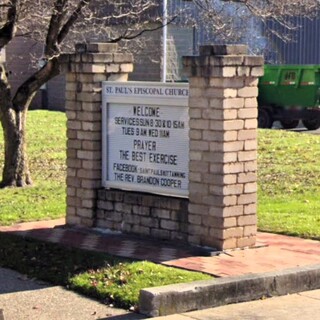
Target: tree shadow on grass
point(46, 261)
point(35, 261)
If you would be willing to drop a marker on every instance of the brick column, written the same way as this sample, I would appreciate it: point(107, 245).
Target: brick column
point(223, 146)
point(86, 69)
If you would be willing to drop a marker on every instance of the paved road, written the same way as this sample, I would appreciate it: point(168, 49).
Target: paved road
point(25, 299)
point(302, 306)
point(300, 128)
point(304, 130)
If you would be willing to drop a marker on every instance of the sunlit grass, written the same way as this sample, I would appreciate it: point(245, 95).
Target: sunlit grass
point(46, 138)
point(289, 183)
point(123, 281)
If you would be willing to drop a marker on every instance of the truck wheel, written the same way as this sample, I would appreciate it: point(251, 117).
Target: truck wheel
point(289, 124)
point(311, 124)
point(264, 119)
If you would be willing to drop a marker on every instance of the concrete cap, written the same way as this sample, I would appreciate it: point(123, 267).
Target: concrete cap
point(224, 49)
point(95, 47)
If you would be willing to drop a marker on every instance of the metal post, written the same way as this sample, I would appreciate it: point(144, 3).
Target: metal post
point(164, 40)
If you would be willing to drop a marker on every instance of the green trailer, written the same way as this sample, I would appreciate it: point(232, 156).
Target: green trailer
point(290, 93)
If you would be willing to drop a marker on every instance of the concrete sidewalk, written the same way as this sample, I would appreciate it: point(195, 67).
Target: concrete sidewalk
point(26, 299)
point(302, 306)
point(277, 264)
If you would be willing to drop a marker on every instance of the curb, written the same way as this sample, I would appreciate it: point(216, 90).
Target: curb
point(171, 299)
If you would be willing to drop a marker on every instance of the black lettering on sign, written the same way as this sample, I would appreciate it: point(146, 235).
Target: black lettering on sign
point(163, 123)
point(138, 156)
point(178, 174)
point(153, 133)
point(119, 177)
point(177, 92)
point(109, 90)
point(141, 132)
point(129, 177)
point(138, 122)
point(124, 155)
point(148, 180)
point(171, 183)
point(148, 91)
point(123, 90)
point(145, 145)
point(125, 167)
point(145, 111)
point(178, 124)
point(164, 133)
point(163, 158)
point(127, 131)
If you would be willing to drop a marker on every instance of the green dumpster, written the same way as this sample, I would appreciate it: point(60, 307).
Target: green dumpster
point(290, 93)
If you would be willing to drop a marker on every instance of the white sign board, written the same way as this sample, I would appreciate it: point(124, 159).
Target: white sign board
point(145, 137)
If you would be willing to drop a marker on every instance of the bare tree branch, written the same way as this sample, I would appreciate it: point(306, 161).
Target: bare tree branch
point(7, 31)
point(131, 34)
point(72, 19)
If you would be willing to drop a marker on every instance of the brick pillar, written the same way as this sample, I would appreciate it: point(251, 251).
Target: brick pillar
point(223, 146)
point(86, 69)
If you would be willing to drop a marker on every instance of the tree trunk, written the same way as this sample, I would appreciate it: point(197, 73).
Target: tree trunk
point(16, 167)
point(13, 121)
point(13, 114)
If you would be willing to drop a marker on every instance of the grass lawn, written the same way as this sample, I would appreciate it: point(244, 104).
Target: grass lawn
point(46, 138)
point(289, 183)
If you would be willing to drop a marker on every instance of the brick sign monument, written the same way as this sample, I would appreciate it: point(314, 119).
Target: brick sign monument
point(169, 161)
